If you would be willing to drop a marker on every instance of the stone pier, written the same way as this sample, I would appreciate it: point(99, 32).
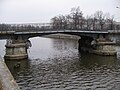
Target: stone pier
point(99, 46)
point(16, 50)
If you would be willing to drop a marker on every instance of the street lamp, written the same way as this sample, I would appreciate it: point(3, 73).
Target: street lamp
point(118, 7)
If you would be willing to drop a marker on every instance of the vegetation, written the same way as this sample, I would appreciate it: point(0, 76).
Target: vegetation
point(74, 20)
point(19, 27)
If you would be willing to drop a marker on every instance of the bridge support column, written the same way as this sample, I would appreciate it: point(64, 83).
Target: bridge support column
point(99, 46)
point(16, 50)
point(105, 48)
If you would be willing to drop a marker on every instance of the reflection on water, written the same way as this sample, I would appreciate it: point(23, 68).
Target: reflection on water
point(56, 64)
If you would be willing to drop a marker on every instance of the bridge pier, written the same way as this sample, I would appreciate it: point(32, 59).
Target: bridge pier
point(99, 46)
point(105, 48)
point(16, 50)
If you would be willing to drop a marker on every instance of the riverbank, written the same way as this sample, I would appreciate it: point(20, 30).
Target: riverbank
point(7, 81)
point(62, 36)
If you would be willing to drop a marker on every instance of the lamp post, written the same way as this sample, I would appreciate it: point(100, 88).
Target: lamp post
point(118, 7)
point(117, 23)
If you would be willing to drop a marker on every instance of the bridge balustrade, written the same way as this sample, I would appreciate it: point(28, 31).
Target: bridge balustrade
point(44, 27)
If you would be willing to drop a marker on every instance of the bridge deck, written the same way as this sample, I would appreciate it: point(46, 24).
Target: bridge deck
point(57, 31)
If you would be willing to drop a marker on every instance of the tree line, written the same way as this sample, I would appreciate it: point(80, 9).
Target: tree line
point(9, 27)
point(76, 20)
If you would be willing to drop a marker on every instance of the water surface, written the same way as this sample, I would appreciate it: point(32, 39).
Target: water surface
point(56, 64)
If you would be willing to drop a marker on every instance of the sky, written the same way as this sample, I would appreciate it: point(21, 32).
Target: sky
point(41, 11)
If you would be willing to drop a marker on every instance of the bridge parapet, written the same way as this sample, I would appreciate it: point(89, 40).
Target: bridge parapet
point(7, 32)
point(39, 26)
point(114, 31)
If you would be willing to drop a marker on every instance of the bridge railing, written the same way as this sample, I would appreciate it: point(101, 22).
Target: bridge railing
point(41, 27)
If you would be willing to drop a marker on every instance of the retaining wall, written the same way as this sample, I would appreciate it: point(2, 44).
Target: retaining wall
point(7, 81)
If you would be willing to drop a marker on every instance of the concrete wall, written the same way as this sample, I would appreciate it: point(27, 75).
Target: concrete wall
point(7, 81)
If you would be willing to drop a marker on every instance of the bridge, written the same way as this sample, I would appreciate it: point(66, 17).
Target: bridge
point(100, 42)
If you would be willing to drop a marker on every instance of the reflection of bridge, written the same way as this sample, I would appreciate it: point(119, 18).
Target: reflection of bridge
point(95, 41)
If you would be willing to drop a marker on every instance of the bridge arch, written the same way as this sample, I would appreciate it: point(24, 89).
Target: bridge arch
point(100, 46)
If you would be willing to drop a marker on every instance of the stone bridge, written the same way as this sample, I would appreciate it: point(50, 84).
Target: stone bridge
point(94, 41)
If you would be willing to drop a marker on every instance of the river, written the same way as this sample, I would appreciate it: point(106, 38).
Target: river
point(56, 64)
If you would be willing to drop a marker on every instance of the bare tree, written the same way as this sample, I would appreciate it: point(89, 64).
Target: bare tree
point(89, 22)
point(69, 23)
point(54, 22)
point(59, 22)
point(111, 22)
point(76, 20)
point(100, 17)
point(77, 17)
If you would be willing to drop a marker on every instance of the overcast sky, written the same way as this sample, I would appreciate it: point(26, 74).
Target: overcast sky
point(37, 11)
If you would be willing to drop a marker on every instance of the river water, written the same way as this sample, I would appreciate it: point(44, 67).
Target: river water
point(56, 64)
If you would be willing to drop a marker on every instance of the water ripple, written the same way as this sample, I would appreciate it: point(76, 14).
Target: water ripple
point(64, 68)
